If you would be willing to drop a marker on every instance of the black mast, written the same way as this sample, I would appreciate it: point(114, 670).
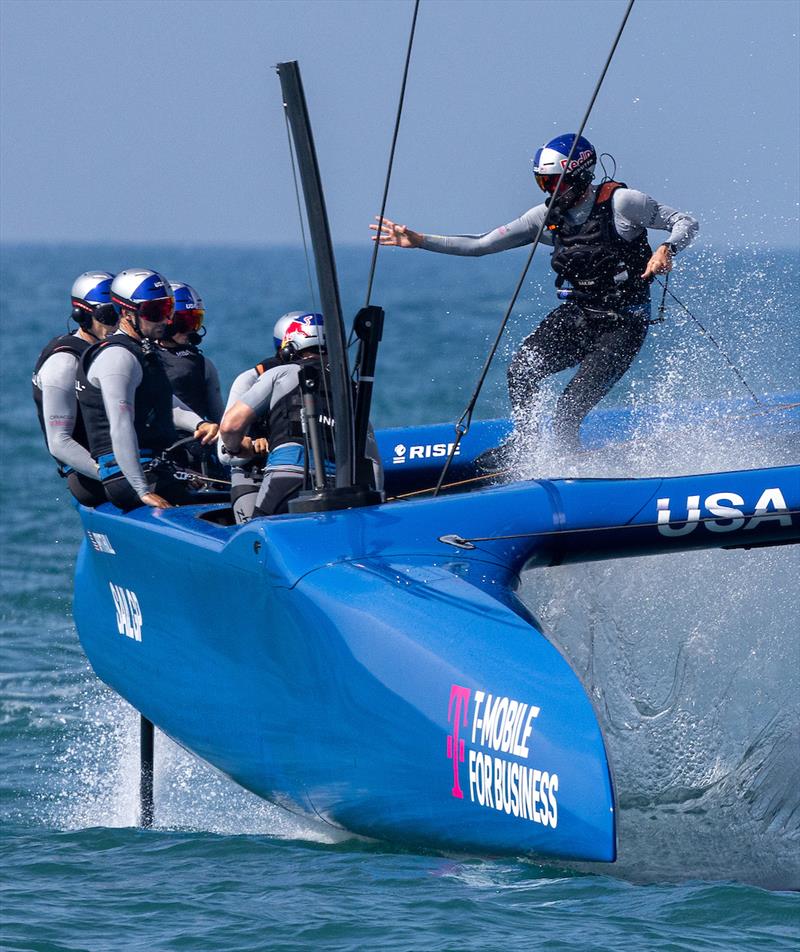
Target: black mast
point(350, 490)
point(294, 102)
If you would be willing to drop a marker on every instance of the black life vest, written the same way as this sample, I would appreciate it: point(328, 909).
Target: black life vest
point(284, 419)
point(186, 369)
point(153, 401)
point(602, 268)
point(259, 429)
point(65, 344)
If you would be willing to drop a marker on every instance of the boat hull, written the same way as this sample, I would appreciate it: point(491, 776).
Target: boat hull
point(394, 698)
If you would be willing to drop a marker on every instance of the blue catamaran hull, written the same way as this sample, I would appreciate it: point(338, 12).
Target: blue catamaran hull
point(373, 667)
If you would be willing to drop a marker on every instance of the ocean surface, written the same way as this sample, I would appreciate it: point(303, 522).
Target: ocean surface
point(693, 661)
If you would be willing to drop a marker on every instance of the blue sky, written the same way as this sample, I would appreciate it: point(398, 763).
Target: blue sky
point(160, 120)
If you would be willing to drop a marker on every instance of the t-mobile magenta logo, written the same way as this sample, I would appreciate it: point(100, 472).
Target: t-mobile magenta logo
point(457, 716)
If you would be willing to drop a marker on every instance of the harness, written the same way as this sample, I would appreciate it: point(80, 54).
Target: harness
point(65, 344)
point(602, 268)
point(186, 370)
point(152, 406)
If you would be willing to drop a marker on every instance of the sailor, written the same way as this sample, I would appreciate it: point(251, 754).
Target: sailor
point(604, 266)
point(54, 385)
point(274, 402)
point(127, 403)
point(193, 376)
point(246, 470)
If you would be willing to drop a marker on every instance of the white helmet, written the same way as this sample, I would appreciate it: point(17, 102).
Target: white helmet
point(302, 333)
point(91, 289)
point(281, 324)
point(134, 287)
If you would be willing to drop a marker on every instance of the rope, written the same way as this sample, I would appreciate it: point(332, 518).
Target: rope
point(391, 154)
point(459, 541)
point(464, 421)
point(662, 307)
point(325, 388)
point(460, 482)
point(300, 211)
point(710, 336)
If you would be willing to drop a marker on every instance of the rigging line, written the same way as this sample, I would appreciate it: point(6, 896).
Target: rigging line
point(460, 482)
point(710, 336)
point(458, 540)
point(463, 423)
point(391, 155)
point(300, 210)
point(325, 389)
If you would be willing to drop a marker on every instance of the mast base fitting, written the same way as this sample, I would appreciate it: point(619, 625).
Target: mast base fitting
point(329, 500)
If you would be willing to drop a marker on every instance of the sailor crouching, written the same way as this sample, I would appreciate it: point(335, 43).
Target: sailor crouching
point(247, 469)
point(273, 407)
point(127, 403)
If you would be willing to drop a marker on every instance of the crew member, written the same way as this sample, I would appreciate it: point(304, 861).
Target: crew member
point(54, 385)
point(193, 376)
point(246, 470)
point(274, 401)
point(128, 406)
point(604, 266)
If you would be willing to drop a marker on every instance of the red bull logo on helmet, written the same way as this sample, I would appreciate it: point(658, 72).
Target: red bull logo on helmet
point(576, 163)
point(307, 327)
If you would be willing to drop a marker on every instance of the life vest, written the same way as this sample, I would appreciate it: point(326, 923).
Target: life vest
point(284, 419)
point(153, 401)
point(65, 344)
point(602, 268)
point(259, 429)
point(186, 369)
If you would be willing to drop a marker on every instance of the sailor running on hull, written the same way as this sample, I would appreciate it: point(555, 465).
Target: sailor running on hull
point(604, 266)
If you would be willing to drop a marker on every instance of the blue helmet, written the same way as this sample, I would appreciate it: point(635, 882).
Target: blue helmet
point(552, 158)
point(136, 286)
point(189, 309)
point(91, 289)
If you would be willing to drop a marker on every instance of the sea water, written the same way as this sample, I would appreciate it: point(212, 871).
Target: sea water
point(692, 661)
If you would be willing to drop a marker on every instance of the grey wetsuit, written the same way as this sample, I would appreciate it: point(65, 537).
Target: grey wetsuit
point(634, 212)
point(245, 473)
point(118, 373)
point(56, 380)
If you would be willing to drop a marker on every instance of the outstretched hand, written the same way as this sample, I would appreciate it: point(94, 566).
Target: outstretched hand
point(393, 234)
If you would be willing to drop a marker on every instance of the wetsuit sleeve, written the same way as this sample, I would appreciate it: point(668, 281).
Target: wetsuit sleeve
point(56, 380)
point(241, 385)
point(277, 381)
point(184, 416)
point(213, 392)
point(634, 211)
point(117, 373)
point(521, 231)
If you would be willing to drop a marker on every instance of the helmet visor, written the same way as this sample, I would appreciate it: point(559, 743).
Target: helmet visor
point(188, 320)
point(156, 311)
point(547, 183)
